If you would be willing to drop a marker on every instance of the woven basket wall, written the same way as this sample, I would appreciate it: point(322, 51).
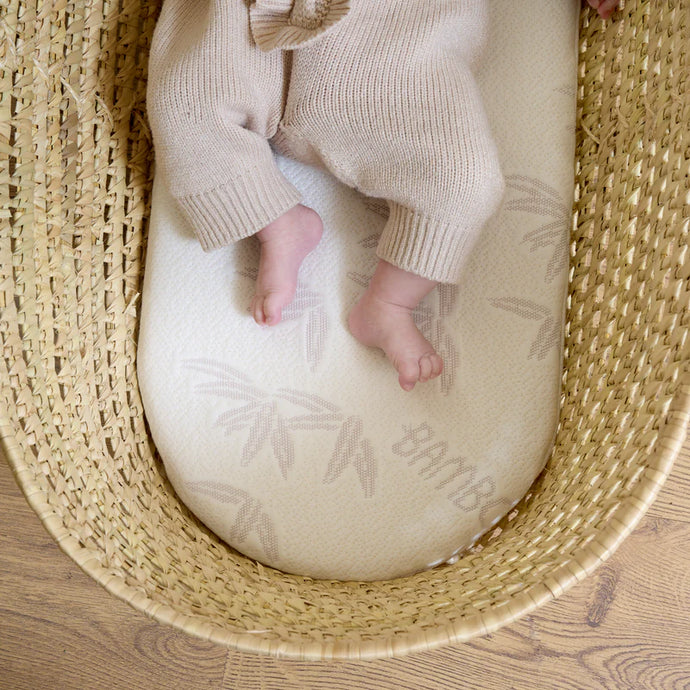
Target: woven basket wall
point(75, 184)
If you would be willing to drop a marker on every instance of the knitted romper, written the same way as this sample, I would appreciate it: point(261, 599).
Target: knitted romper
point(378, 92)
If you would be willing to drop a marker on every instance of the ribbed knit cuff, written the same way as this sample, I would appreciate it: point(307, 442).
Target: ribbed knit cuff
point(239, 208)
point(423, 245)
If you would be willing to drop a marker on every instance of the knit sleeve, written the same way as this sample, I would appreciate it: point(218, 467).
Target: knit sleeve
point(287, 24)
point(214, 101)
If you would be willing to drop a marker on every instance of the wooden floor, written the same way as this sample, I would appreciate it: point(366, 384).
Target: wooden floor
point(626, 626)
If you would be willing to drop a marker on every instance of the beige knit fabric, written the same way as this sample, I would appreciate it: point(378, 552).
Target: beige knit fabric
point(379, 92)
point(291, 23)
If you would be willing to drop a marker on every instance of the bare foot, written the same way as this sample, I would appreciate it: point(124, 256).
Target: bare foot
point(284, 245)
point(605, 7)
point(383, 318)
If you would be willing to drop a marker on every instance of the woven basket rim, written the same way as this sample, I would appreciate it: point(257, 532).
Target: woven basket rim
point(584, 561)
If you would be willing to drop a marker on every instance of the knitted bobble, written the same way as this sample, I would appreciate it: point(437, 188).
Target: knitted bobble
point(286, 24)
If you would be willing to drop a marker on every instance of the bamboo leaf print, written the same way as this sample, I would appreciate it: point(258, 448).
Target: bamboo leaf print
point(315, 337)
point(451, 362)
point(314, 421)
point(549, 336)
point(541, 199)
point(311, 402)
point(259, 433)
point(549, 333)
point(365, 464)
point(522, 307)
point(251, 515)
point(264, 417)
point(238, 418)
point(359, 278)
point(352, 449)
point(447, 298)
point(282, 446)
point(227, 382)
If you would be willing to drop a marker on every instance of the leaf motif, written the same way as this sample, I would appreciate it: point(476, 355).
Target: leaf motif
point(250, 514)
point(304, 300)
point(378, 206)
point(246, 518)
point(344, 449)
point(549, 333)
point(542, 199)
point(359, 278)
point(558, 261)
point(548, 336)
point(221, 390)
point(545, 235)
point(352, 449)
point(282, 445)
point(371, 241)
point(258, 434)
point(536, 205)
point(450, 364)
point(223, 493)
point(230, 382)
point(267, 536)
point(551, 234)
point(531, 184)
point(219, 369)
point(311, 402)
point(522, 307)
point(314, 421)
point(237, 419)
point(307, 299)
point(251, 272)
point(290, 313)
point(365, 464)
point(539, 198)
point(447, 298)
point(317, 327)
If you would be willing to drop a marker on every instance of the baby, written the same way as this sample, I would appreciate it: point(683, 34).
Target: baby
point(378, 92)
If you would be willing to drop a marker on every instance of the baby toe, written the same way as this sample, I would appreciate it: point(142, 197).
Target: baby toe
point(257, 310)
point(426, 367)
point(436, 365)
point(408, 374)
point(272, 308)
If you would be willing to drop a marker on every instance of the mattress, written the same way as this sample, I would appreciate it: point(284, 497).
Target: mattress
point(295, 443)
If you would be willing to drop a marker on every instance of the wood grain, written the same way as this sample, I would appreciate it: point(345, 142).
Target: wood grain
point(61, 629)
point(626, 626)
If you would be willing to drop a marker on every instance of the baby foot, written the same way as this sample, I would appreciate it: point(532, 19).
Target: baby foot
point(380, 323)
point(284, 245)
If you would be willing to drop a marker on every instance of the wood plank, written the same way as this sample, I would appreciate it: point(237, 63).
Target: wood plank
point(60, 629)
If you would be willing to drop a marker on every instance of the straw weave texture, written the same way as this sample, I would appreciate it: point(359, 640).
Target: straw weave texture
point(75, 184)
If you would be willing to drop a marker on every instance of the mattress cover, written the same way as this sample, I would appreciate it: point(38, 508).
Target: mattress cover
point(295, 443)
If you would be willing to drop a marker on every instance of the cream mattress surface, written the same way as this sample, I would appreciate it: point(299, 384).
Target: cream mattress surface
point(295, 444)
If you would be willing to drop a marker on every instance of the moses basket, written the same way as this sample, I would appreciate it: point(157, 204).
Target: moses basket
point(75, 182)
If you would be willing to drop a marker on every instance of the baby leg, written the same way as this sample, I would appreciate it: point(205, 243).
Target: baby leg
point(388, 101)
point(383, 318)
point(214, 100)
point(284, 245)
